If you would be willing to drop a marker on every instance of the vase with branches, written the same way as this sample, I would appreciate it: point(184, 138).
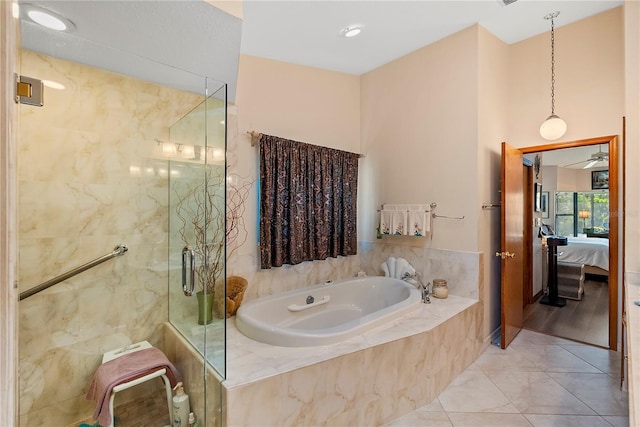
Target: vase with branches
point(210, 215)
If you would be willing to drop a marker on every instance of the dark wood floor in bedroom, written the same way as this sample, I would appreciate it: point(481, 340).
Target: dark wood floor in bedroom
point(586, 320)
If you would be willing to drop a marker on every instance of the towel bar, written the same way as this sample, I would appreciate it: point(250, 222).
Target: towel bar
point(491, 205)
point(434, 215)
point(117, 251)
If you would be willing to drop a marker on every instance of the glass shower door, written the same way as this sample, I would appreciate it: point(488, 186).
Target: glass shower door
point(197, 237)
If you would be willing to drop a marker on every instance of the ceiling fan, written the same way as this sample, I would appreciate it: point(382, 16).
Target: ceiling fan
point(600, 156)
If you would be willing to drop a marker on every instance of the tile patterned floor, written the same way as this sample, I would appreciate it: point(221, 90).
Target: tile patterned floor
point(539, 380)
point(147, 411)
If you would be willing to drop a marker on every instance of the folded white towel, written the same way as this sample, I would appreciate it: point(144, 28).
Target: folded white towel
point(388, 207)
point(399, 222)
point(402, 267)
point(419, 222)
point(391, 263)
point(385, 221)
point(397, 267)
point(405, 219)
point(385, 268)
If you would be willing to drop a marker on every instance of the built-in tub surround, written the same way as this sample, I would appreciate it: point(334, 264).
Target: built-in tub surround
point(326, 313)
point(462, 270)
point(365, 380)
point(289, 277)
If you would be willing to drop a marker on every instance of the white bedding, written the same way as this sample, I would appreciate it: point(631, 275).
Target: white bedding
point(586, 250)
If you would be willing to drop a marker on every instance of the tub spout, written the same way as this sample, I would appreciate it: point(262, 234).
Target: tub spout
point(414, 279)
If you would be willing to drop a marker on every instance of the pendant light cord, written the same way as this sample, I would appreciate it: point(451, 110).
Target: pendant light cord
point(553, 69)
point(553, 61)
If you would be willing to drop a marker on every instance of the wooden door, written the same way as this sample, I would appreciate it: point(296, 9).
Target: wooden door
point(512, 244)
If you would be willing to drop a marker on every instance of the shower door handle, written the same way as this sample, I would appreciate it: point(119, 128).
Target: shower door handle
point(188, 289)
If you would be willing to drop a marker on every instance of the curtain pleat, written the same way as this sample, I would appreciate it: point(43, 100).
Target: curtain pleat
point(308, 202)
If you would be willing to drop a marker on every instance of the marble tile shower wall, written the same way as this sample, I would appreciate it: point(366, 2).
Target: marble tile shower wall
point(90, 177)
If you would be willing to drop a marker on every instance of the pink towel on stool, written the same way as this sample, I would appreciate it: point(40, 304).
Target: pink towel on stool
point(124, 369)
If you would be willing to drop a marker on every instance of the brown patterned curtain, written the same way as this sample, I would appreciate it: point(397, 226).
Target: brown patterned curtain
point(308, 198)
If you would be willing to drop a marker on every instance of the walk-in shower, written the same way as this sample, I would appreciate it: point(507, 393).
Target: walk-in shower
point(121, 143)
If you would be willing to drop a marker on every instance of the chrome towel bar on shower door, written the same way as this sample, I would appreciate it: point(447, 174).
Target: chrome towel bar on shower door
point(117, 251)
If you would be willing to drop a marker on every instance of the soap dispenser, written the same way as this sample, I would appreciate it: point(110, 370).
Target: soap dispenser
point(180, 407)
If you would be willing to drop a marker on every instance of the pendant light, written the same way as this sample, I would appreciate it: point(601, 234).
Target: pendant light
point(554, 127)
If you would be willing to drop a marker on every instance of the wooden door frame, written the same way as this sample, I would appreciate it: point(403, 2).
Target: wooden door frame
point(614, 214)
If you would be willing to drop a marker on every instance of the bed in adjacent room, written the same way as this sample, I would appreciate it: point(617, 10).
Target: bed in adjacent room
point(593, 252)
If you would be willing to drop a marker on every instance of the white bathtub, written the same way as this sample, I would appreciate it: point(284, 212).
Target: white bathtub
point(339, 310)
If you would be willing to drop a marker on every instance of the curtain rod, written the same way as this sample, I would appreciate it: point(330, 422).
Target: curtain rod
point(255, 136)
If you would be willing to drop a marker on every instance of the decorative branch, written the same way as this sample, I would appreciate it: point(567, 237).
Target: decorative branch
point(207, 221)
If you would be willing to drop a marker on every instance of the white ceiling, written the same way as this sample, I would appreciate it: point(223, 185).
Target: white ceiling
point(191, 35)
point(573, 158)
point(133, 36)
point(307, 32)
point(173, 43)
point(177, 42)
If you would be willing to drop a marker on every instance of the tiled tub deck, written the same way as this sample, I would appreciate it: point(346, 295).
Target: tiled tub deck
point(366, 380)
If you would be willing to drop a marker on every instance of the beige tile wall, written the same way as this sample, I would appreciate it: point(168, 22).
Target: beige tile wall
point(196, 375)
point(90, 176)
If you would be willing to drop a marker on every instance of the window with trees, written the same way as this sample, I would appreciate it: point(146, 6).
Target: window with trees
point(582, 212)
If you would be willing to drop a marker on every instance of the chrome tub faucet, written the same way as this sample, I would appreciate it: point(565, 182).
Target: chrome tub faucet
point(414, 279)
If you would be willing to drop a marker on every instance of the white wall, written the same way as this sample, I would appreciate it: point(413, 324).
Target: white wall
point(589, 80)
point(419, 132)
point(431, 122)
point(590, 86)
point(493, 114)
point(632, 113)
point(550, 183)
point(295, 102)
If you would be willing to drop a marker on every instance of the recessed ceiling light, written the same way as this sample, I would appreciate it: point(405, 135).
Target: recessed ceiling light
point(351, 31)
point(47, 18)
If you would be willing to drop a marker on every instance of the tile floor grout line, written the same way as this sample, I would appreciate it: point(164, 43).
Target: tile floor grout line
point(569, 391)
